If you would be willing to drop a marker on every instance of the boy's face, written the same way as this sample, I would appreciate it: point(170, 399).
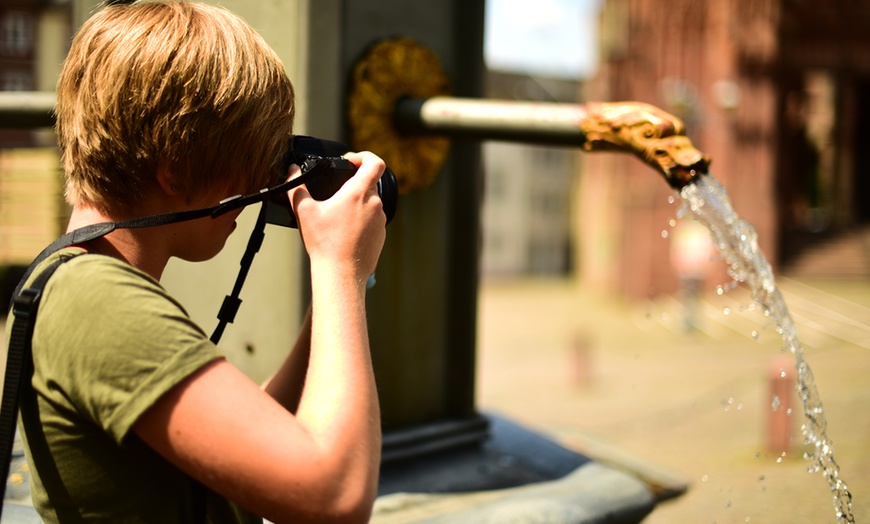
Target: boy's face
point(204, 238)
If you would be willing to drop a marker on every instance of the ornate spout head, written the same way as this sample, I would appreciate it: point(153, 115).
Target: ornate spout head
point(656, 137)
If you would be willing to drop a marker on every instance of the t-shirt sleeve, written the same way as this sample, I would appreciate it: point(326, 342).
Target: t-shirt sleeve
point(109, 342)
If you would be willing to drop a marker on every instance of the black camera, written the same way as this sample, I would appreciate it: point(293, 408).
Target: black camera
point(325, 172)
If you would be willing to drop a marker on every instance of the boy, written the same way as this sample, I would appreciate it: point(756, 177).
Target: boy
point(166, 107)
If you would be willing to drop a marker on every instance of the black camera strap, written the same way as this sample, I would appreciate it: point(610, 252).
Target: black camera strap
point(230, 306)
point(95, 231)
point(19, 362)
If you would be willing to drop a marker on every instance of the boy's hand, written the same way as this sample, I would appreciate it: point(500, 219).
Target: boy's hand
point(347, 231)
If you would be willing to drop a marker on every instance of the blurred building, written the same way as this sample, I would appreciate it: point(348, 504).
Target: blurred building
point(527, 192)
point(34, 38)
point(773, 90)
point(17, 58)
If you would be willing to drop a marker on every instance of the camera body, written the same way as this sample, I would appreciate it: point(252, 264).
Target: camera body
point(321, 161)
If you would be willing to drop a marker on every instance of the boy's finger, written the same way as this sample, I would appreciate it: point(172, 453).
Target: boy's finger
point(370, 168)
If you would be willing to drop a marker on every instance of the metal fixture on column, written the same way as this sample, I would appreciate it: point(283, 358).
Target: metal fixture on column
point(398, 107)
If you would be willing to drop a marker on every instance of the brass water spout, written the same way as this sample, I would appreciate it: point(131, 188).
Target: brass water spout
point(655, 136)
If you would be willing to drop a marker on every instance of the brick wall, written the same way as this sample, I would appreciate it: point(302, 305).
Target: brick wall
point(32, 212)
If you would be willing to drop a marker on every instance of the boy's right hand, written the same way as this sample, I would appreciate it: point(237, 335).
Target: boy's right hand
point(347, 231)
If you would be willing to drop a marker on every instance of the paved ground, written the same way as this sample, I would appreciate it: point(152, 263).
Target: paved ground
point(625, 382)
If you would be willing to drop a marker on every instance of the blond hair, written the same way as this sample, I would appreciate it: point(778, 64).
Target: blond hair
point(186, 87)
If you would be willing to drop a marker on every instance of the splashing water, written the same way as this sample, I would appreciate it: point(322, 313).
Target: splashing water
point(736, 240)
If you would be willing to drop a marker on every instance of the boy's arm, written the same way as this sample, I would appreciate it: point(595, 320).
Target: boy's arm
point(322, 463)
point(286, 384)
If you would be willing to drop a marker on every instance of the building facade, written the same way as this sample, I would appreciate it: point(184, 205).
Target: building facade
point(527, 189)
point(774, 91)
point(34, 38)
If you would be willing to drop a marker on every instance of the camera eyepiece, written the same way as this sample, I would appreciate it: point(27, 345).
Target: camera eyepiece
point(328, 171)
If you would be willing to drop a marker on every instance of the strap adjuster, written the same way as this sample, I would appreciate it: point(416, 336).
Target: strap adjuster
point(24, 305)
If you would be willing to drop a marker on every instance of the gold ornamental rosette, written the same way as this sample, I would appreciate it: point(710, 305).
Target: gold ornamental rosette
point(390, 71)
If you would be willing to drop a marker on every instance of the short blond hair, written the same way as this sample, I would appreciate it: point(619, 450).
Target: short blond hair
point(183, 86)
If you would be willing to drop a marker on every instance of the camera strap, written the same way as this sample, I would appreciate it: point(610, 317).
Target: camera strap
point(230, 306)
point(19, 366)
point(95, 231)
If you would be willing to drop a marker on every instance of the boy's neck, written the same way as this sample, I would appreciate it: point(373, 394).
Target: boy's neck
point(137, 247)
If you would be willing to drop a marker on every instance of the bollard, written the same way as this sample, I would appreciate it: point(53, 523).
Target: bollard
point(581, 359)
point(781, 377)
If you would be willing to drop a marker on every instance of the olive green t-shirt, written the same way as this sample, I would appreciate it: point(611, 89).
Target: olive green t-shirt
point(108, 342)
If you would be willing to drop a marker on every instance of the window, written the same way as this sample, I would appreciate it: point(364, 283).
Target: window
point(16, 81)
point(16, 33)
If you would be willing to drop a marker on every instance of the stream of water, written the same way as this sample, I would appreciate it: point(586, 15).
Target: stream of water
point(707, 201)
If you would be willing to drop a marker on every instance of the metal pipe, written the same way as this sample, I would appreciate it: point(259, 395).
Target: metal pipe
point(527, 122)
point(653, 135)
point(26, 109)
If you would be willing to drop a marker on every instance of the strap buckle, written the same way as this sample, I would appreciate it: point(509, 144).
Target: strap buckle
point(24, 305)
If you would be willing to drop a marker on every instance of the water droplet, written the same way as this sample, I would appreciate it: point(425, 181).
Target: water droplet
point(720, 291)
point(755, 334)
point(671, 199)
point(704, 478)
point(672, 223)
point(664, 233)
point(727, 311)
point(783, 373)
point(779, 460)
point(775, 404)
point(739, 406)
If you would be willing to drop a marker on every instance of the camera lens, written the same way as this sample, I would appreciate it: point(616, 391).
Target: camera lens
point(388, 189)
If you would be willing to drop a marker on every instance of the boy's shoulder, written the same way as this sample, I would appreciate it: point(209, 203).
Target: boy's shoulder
point(88, 283)
point(90, 268)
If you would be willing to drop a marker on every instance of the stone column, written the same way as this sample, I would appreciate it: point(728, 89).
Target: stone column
point(422, 310)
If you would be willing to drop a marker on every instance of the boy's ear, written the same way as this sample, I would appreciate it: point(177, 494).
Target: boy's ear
point(165, 181)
